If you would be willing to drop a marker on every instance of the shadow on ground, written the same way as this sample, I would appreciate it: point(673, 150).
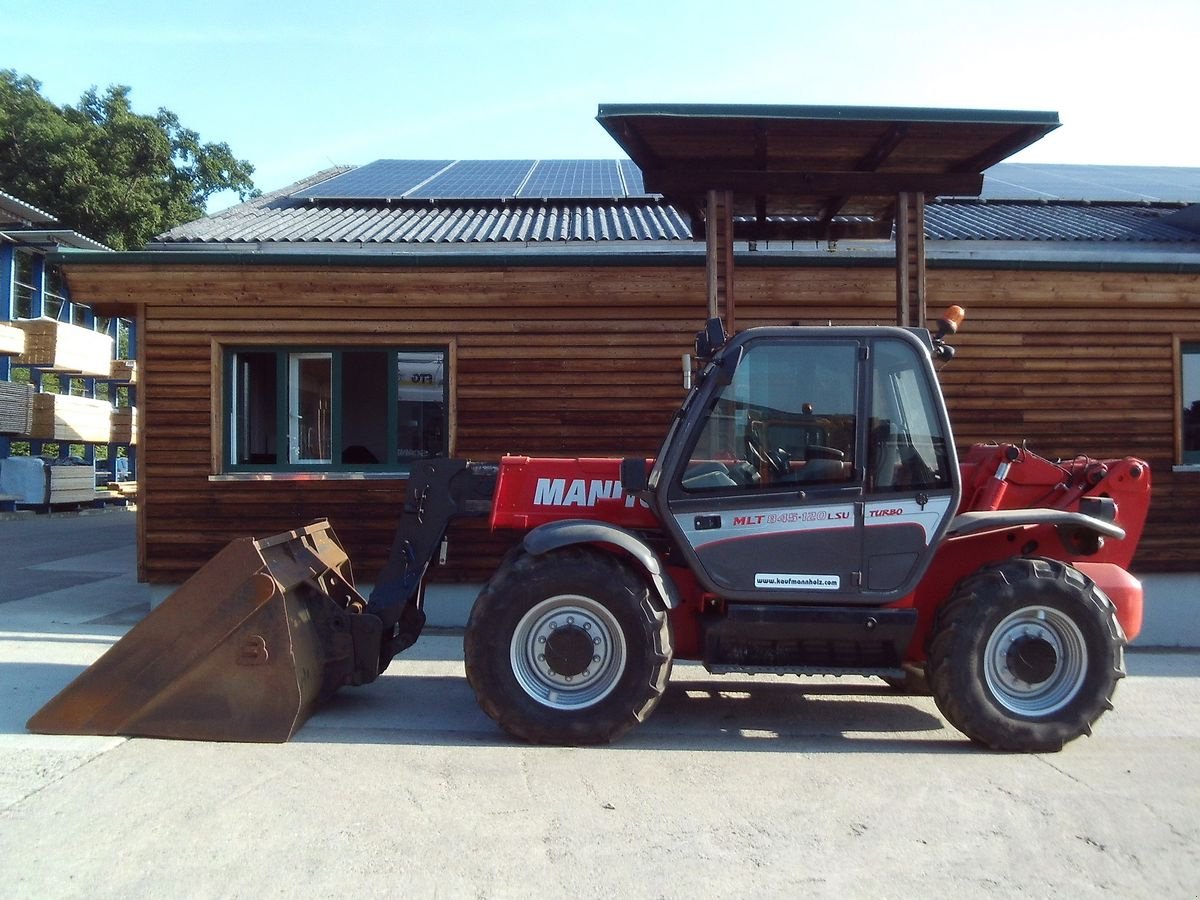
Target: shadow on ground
point(693, 715)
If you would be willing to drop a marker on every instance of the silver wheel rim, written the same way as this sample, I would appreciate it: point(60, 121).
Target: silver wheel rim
point(1043, 696)
point(552, 688)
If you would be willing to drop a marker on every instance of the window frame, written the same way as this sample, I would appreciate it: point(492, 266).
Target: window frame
point(1187, 344)
point(223, 354)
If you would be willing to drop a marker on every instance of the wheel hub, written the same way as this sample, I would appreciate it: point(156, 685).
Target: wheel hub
point(1032, 659)
point(568, 650)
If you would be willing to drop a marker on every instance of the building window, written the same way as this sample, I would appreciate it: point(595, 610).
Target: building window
point(335, 408)
point(1189, 396)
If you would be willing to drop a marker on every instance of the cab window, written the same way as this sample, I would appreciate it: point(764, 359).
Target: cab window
point(787, 417)
point(906, 446)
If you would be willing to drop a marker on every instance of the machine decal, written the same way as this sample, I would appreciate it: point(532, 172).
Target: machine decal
point(798, 582)
point(756, 522)
point(580, 492)
point(908, 512)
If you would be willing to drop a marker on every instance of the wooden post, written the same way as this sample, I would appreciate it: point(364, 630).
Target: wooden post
point(910, 259)
point(718, 239)
point(902, 236)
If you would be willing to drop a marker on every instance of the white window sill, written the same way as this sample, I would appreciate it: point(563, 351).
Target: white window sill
point(1194, 467)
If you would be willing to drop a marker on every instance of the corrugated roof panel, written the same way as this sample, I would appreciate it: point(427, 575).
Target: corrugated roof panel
point(973, 221)
point(280, 217)
point(946, 220)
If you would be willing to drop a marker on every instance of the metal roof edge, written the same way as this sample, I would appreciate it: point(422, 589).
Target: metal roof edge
point(442, 259)
point(847, 113)
point(52, 237)
point(749, 259)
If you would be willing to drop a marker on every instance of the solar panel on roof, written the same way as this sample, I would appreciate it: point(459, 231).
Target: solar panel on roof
point(476, 179)
point(1030, 181)
point(384, 179)
point(634, 187)
point(571, 178)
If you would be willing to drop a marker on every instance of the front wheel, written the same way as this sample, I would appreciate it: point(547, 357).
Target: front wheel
point(1026, 655)
point(567, 647)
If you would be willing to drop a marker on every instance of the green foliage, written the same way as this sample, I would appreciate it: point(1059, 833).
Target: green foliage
point(105, 171)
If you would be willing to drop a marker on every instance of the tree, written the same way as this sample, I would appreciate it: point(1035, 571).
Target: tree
point(105, 171)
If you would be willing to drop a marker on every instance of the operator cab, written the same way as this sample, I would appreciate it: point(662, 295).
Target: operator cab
point(810, 464)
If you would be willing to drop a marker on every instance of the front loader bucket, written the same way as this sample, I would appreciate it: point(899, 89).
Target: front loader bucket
point(243, 651)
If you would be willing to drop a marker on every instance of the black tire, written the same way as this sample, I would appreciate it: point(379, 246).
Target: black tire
point(1026, 655)
point(611, 636)
point(914, 683)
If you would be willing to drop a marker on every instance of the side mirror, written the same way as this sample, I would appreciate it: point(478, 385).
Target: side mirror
point(633, 475)
point(711, 339)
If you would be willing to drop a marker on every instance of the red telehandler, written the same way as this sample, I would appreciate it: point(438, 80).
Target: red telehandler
point(806, 514)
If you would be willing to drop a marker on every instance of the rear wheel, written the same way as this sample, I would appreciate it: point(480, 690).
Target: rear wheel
point(568, 647)
point(1026, 655)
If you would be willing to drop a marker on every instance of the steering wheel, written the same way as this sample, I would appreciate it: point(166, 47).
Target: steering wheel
point(778, 461)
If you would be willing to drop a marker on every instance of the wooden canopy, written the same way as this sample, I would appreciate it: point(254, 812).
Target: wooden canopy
point(820, 173)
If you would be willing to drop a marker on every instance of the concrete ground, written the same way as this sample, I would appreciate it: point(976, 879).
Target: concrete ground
point(734, 787)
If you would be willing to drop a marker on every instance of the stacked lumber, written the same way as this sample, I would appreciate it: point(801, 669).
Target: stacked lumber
point(60, 417)
point(124, 425)
point(70, 484)
point(124, 370)
point(63, 347)
point(16, 408)
point(124, 489)
point(12, 340)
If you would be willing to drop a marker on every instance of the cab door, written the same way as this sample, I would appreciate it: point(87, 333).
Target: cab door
point(912, 484)
point(764, 487)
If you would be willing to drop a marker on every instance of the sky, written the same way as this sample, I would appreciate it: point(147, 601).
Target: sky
point(300, 86)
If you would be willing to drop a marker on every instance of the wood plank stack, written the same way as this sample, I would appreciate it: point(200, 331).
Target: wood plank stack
point(124, 370)
point(124, 425)
point(70, 484)
point(124, 489)
point(60, 417)
point(63, 347)
point(16, 408)
point(12, 340)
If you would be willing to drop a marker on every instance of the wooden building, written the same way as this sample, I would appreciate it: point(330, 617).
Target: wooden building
point(297, 351)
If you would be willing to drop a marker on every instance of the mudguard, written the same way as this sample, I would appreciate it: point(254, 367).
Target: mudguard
point(568, 532)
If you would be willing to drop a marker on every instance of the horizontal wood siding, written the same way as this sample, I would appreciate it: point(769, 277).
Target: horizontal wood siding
point(1080, 362)
point(585, 361)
